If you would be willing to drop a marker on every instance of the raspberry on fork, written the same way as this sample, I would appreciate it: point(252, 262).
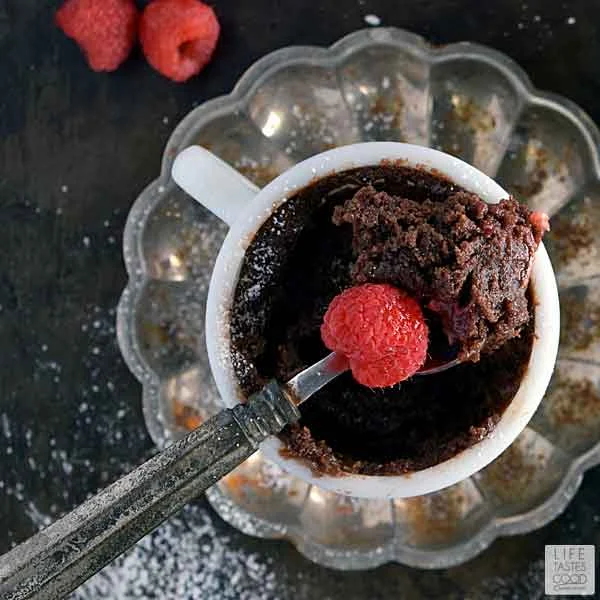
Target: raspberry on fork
point(380, 329)
point(178, 37)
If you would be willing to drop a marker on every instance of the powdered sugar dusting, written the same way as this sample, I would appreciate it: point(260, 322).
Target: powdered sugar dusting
point(313, 130)
point(189, 558)
point(372, 20)
point(529, 584)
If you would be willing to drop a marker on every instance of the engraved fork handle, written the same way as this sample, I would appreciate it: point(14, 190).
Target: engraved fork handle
point(55, 561)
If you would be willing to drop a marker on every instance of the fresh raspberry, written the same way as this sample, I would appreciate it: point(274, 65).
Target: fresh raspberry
point(178, 36)
point(384, 372)
point(540, 223)
point(104, 29)
point(380, 329)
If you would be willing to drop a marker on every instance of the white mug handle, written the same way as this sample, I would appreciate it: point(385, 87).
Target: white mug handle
point(212, 183)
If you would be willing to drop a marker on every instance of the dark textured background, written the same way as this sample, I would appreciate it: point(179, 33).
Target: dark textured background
point(77, 147)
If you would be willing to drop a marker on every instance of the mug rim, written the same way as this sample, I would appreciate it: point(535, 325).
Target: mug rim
point(224, 283)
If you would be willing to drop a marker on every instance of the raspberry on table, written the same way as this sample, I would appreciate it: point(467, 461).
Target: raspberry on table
point(178, 37)
point(104, 29)
point(380, 329)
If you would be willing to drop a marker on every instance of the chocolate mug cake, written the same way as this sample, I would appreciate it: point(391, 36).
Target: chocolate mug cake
point(467, 262)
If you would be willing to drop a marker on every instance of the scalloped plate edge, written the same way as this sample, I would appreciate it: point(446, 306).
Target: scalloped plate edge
point(144, 203)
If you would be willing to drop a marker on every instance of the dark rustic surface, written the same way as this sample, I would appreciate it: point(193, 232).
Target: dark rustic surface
point(76, 148)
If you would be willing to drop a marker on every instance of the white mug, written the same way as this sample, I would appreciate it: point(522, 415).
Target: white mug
point(244, 207)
